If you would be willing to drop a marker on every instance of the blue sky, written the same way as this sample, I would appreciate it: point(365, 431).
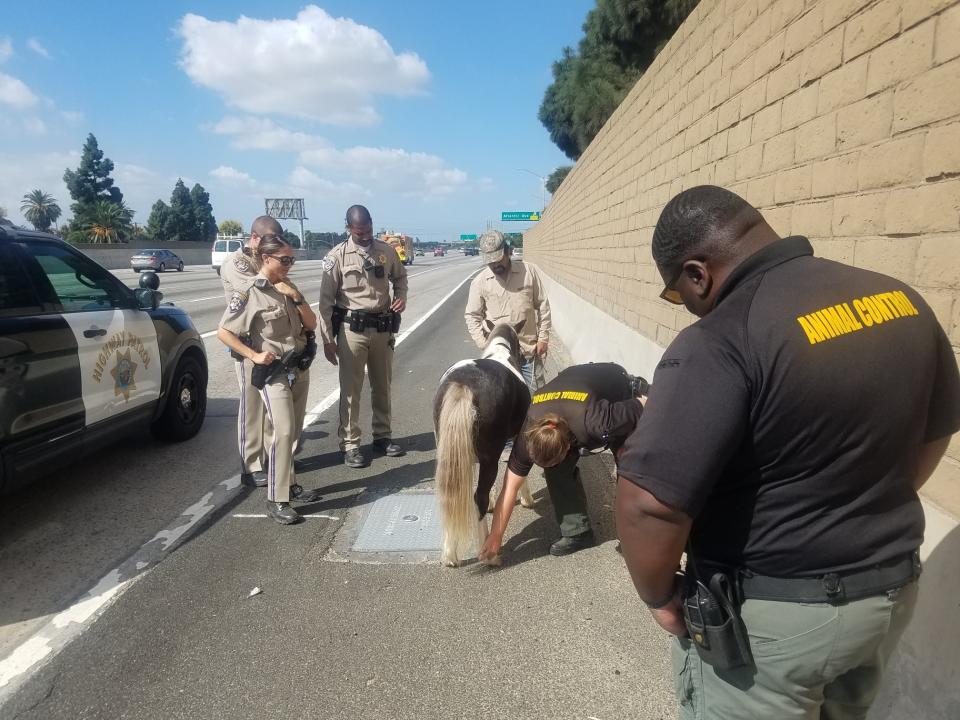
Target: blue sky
point(423, 111)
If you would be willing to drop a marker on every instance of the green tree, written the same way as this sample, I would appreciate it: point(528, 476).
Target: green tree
point(556, 177)
point(40, 209)
point(181, 223)
point(107, 222)
point(292, 238)
point(91, 182)
point(206, 224)
point(621, 39)
point(324, 239)
point(157, 222)
point(233, 227)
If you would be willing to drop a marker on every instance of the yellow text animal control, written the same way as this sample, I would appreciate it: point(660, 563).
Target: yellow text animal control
point(564, 395)
point(841, 319)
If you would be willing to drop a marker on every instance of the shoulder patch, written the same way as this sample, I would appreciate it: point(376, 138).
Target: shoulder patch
point(238, 300)
point(243, 265)
point(328, 263)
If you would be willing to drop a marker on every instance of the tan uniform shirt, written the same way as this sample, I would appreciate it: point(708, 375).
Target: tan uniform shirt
point(269, 318)
point(237, 272)
point(345, 282)
point(518, 296)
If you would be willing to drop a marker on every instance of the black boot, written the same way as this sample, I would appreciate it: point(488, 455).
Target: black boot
point(567, 545)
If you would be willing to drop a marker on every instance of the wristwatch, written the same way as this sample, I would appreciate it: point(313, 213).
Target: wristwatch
point(299, 302)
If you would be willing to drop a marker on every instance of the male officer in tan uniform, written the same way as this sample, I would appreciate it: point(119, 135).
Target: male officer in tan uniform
point(357, 276)
point(510, 291)
point(237, 273)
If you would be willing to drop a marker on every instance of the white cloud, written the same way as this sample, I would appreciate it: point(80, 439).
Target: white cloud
point(252, 133)
point(6, 50)
point(314, 66)
point(13, 92)
point(39, 49)
point(392, 169)
point(303, 179)
point(232, 176)
point(72, 116)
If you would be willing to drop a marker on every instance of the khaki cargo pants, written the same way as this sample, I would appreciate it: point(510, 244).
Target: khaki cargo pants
point(284, 410)
point(250, 425)
point(814, 661)
point(355, 351)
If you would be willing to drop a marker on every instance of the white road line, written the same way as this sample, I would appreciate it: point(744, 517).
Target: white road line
point(212, 297)
point(68, 624)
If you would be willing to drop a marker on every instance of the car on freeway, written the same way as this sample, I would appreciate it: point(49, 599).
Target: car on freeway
point(418, 253)
point(86, 361)
point(156, 260)
point(439, 252)
point(471, 251)
point(223, 247)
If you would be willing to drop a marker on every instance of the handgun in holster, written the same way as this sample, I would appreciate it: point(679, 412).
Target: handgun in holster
point(336, 320)
point(712, 616)
point(262, 374)
point(309, 352)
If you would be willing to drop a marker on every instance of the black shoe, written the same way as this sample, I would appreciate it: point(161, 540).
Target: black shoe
point(388, 447)
point(354, 458)
point(258, 478)
point(282, 512)
point(567, 545)
point(298, 494)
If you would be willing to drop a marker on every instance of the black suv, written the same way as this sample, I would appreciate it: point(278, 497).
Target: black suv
point(84, 359)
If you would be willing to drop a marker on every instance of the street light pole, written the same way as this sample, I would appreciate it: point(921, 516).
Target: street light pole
point(543, 187)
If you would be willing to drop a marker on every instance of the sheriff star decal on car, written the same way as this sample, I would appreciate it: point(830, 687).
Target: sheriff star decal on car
point(123, 375)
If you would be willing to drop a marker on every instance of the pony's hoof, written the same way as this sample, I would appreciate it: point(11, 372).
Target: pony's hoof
point(526, 502)
point(495, 561)
point(450, 562)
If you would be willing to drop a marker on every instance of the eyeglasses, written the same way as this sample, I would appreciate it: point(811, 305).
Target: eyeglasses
point(285, 260)
point(669, 293)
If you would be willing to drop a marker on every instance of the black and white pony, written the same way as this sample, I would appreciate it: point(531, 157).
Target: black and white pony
point(479, 405)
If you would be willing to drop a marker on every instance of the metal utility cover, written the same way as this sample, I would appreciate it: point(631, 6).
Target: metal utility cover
point(405, 521)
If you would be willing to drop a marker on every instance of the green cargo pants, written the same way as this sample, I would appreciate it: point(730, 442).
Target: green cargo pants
point(813, 661)
point(567, 496)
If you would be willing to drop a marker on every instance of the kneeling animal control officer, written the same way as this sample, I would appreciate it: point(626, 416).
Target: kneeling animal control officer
point(274, 318)
point(586, 406)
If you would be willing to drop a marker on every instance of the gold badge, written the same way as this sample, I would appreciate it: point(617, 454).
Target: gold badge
point(383, 259)
point(123, 372)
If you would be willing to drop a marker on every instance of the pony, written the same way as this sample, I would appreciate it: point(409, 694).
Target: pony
point(479, 405)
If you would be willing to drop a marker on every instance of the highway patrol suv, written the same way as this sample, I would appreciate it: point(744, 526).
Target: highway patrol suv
point(84, 359)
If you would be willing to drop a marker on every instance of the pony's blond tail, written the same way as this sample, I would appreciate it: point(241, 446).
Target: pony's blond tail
point(455, 460)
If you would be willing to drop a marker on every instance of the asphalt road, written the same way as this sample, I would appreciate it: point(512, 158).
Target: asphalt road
point(331, 635)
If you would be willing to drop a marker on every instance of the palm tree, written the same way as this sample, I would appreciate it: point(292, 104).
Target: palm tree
point(108, 222)
point(40, 209)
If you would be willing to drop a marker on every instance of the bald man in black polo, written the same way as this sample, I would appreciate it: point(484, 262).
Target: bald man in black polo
point(783, 443)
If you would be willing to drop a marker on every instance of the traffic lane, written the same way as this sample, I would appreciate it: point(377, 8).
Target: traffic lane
point(61, 534)
point(549, 637)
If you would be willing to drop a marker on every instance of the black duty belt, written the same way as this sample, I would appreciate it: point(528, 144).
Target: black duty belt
point(835, 588)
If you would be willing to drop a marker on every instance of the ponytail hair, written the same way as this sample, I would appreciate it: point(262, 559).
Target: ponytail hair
point(548, 440)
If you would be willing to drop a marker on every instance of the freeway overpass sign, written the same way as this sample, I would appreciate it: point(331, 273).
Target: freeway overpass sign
point(519, 215)
point(468, 237)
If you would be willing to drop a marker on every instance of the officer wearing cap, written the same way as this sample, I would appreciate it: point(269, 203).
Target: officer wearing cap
point(510, 291)
point(274, 316)
point(237, 273)
point(358, 320)
point(785, 438)
point(586, 407)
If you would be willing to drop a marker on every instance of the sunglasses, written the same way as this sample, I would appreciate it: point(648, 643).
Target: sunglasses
point(669, 293)
point(285, 260)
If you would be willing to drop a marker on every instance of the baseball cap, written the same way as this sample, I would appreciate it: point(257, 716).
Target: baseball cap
point(491, 246)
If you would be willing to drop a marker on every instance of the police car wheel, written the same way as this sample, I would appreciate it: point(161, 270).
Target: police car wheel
point(186, 404)
point(162, 267)
point(180, 267)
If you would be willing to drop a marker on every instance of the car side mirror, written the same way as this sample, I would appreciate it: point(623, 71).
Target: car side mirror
point(149, 280)
point(147, 298)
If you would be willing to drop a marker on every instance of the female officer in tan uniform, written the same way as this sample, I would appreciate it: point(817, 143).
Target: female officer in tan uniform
point(274, 316)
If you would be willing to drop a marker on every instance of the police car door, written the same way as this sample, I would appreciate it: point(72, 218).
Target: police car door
point(116, 343)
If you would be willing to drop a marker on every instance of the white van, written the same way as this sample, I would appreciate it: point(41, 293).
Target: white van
point(222, 247)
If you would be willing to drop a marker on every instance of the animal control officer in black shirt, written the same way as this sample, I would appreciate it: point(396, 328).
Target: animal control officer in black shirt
point(785, 437)
point(585, 406)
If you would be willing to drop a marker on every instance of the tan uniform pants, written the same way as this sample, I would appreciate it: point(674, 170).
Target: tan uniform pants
point(283, 410)
point(250, 425)
point(355, 351)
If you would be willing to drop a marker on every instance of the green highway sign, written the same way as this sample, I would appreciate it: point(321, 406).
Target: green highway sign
point(519, 215)
point(468, 237)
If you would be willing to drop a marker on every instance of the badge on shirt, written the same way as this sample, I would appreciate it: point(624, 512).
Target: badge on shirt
point(242, 264)
point(237, 302)
point(383, 259)
point(328, 263)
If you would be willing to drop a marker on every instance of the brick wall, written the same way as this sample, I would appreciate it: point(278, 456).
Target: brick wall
point(839, 119)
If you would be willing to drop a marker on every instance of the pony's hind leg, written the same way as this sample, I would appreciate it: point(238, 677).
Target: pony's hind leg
point(448, 553)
